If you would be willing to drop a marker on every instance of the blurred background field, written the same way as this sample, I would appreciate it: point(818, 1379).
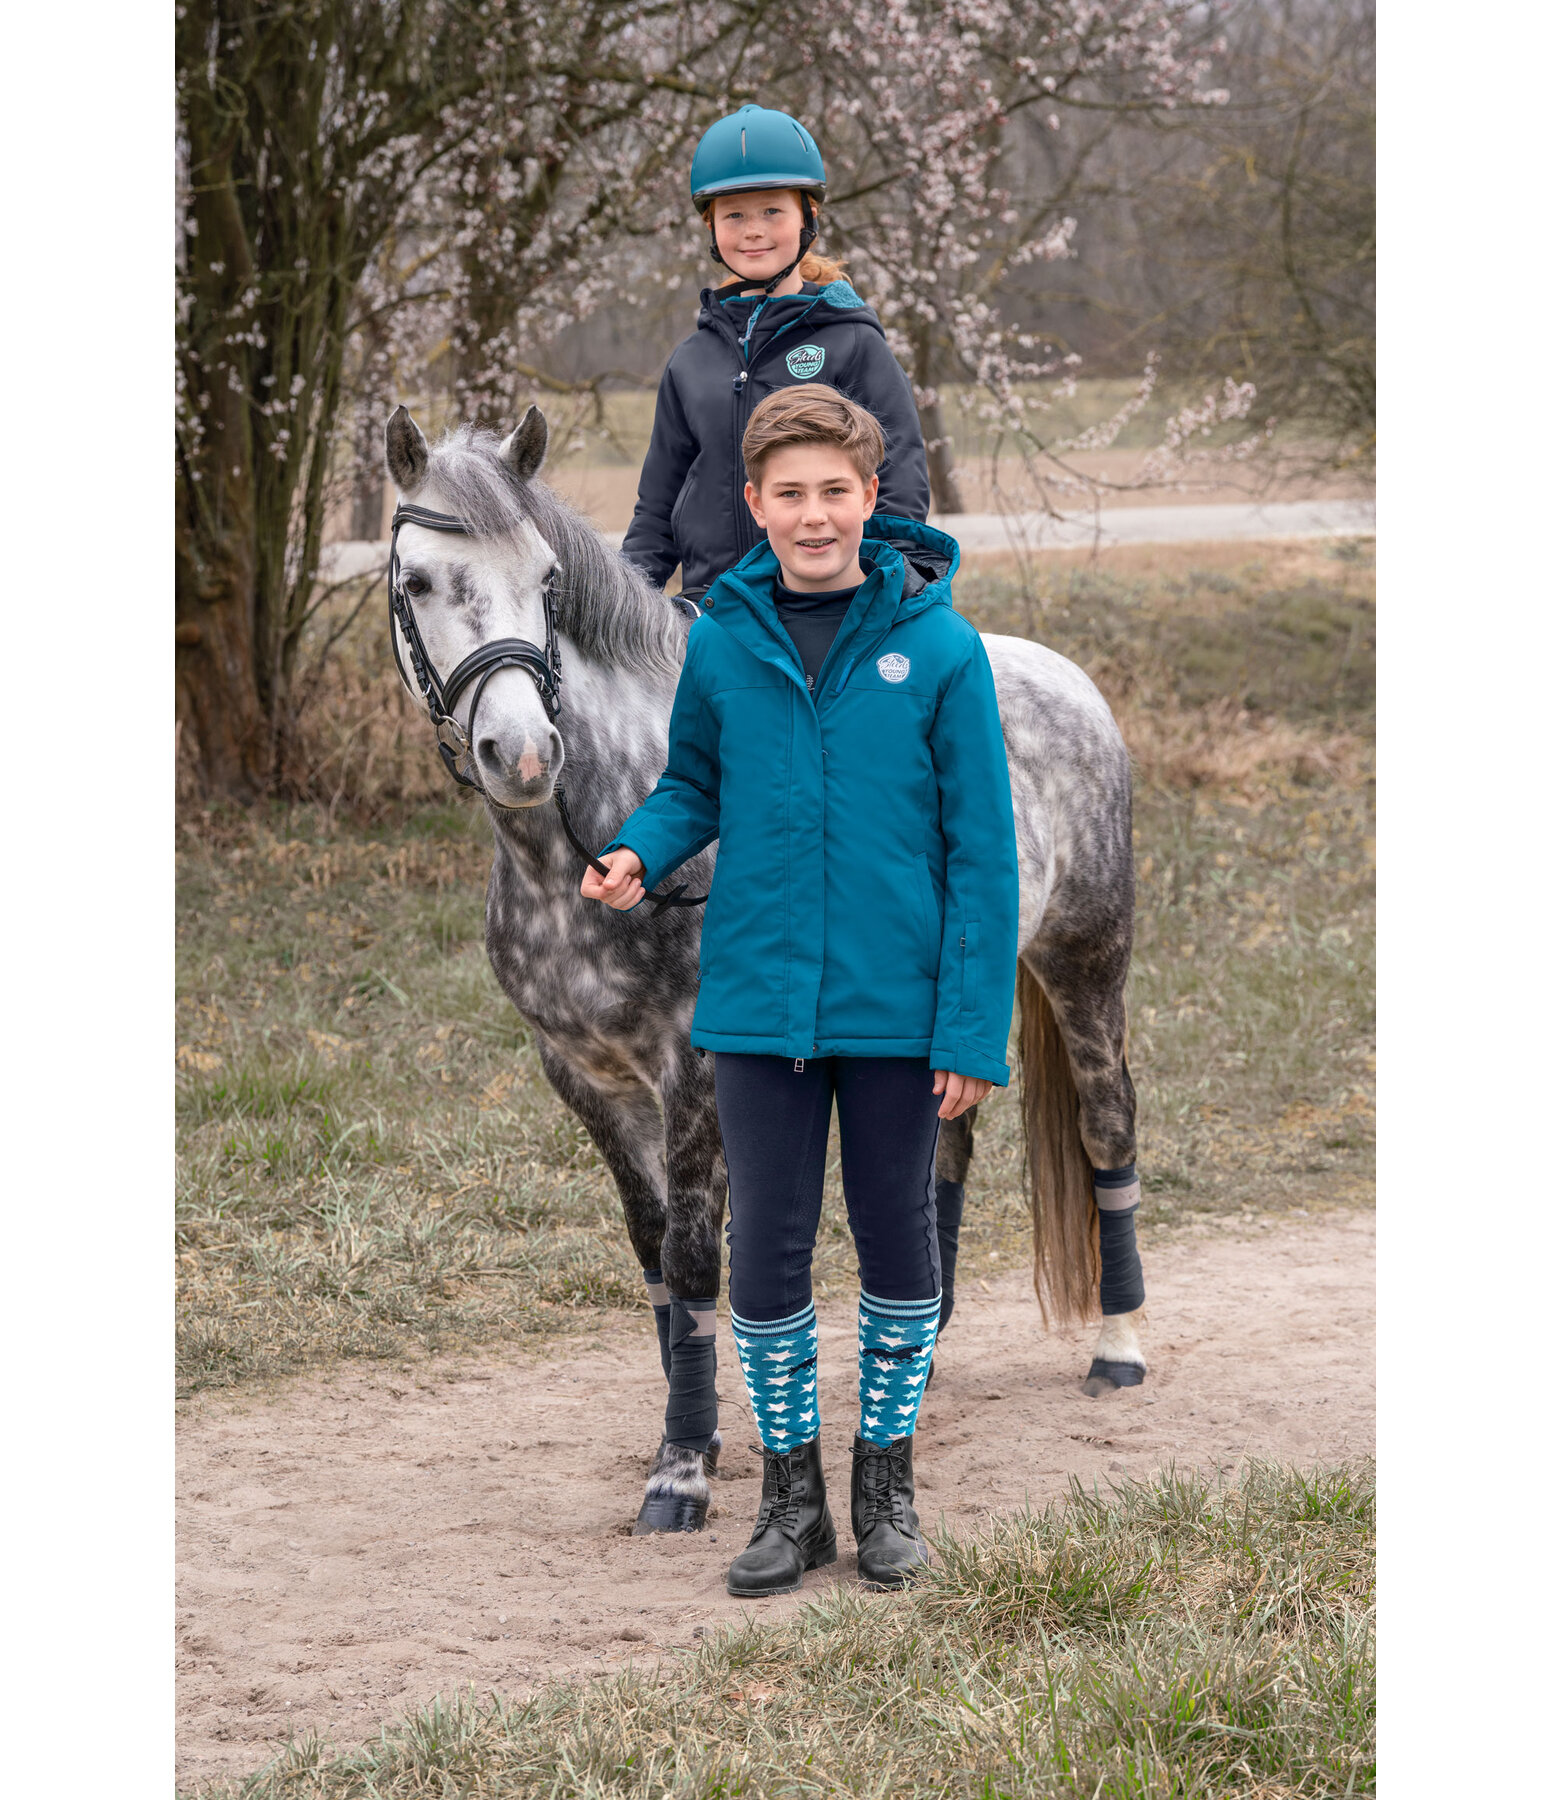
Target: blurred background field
point(373, 1165)
point(599, 447)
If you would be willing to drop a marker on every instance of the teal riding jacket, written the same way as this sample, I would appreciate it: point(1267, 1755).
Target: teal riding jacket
point(865, 893)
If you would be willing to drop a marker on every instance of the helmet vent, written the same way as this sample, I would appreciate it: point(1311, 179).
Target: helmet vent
point(745, 143)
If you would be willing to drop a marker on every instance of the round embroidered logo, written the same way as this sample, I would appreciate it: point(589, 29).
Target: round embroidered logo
point(805, 361)
point(893, 667)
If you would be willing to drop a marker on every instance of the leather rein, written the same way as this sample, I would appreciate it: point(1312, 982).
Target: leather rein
point(441, 696)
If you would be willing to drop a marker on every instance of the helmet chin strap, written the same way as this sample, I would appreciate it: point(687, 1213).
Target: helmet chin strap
point(768, 282)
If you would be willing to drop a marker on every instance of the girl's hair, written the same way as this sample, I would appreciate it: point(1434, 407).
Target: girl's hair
point(813, 266)
point(811, 414)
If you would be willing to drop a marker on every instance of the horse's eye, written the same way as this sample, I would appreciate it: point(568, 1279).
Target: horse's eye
point(416, 584)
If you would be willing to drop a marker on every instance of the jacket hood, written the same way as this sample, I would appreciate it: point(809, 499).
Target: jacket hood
point(837, 300)
point(930, 556)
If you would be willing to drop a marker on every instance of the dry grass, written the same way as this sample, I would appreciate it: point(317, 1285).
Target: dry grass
point(1186, 1639)
point(372, 1163)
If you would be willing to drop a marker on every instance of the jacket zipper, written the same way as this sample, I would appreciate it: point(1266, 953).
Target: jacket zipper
point(739, 423)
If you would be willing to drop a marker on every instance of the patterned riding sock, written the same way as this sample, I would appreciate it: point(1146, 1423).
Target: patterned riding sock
point(1118, 1193)
point(780, 1365)
point(897, 1337)
point(691, 1378)
point(656, 1293)
point(949, 1218)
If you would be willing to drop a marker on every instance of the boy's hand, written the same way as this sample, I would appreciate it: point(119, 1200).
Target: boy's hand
point(622, 889)
point(959, 1092)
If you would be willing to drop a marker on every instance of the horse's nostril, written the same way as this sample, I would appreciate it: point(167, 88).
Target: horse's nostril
point(510, 761)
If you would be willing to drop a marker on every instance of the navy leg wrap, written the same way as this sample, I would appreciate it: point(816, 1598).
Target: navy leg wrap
point(691, 1379)
point(1118, 1193)
point(661, 1306)
point(949, 1220)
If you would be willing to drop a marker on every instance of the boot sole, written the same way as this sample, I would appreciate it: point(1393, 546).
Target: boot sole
point(886, 1587)
point(891, 1584)
point(821, 1557)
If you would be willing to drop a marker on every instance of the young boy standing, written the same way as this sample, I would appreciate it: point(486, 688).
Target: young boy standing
point(836, 727)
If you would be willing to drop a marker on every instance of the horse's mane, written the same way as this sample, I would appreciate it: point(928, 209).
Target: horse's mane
point(604, 605)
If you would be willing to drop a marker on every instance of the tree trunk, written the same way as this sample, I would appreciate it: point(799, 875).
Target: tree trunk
point(216, 695)
point(946, 496)
point(366, 501)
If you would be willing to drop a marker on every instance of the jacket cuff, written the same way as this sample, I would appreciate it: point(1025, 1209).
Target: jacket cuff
point(965, 1059)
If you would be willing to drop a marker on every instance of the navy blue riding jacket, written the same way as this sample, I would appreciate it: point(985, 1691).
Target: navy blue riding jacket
point(690, 507)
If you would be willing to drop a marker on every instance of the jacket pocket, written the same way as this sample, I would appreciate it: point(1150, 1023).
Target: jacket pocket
point(971, 965)
point(927, 910)
point(685, 494)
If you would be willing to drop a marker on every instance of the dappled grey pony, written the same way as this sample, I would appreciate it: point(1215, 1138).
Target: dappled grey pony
point(547, 665)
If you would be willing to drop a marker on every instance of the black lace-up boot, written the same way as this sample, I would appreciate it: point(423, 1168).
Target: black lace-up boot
point(794, 1532)
point(889, 1547)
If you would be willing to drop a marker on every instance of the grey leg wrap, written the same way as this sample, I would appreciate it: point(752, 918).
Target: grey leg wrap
point(1118, 1193)
point(656, 1292)
point(691, 1378)
point(949, 1219)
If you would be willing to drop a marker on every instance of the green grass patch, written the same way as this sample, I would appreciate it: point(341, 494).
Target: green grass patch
point(1175, 1640)
point(372, 1164)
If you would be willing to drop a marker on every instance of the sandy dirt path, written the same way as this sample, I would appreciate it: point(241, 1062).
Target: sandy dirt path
point(359, 1543)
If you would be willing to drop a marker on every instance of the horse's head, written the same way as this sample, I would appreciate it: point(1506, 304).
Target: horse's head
point(471, 588)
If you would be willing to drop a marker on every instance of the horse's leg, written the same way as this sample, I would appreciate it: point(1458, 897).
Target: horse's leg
point(625, 1122)
point(954, 1152)
point(1084, 985)
point(678, 1491)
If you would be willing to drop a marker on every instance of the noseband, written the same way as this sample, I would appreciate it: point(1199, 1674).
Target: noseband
point(440, 697)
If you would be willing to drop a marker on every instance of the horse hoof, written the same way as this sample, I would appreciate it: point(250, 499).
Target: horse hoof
point(677, 1493)
point(670, 1512)
point(1104, 1377)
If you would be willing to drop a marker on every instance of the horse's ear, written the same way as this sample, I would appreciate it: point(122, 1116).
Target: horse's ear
point(523, 451)
point(408, 455)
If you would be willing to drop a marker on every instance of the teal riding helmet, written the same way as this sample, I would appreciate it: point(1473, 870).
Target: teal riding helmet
point(755, 148)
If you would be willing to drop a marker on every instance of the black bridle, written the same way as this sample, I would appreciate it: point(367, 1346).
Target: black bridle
point(440, 697)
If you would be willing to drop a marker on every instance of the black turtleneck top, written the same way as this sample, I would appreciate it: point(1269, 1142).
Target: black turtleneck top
point(812, 622)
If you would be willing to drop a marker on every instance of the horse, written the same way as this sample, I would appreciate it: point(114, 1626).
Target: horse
point(536, 650)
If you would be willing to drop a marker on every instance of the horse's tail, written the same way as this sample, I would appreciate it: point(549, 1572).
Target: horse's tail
point(1059, 1174)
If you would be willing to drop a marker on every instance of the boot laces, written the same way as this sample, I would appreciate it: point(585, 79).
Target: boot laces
point(776, 1502)
point(882, 1472)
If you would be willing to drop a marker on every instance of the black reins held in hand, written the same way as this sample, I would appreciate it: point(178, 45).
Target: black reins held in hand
point(440, 697)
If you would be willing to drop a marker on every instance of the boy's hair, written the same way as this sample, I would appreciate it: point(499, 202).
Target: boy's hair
point(812, 414)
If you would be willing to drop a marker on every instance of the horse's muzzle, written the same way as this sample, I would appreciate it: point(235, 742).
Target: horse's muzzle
point(519, 774)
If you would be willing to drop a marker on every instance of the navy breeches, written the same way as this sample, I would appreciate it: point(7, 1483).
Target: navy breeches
point(775, 1129)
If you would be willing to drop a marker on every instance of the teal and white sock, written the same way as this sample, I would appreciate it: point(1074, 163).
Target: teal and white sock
point(897, 1338)
point(780, 1366)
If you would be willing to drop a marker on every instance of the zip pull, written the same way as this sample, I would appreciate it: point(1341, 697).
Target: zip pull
point(799, 1065)
point(740, 381)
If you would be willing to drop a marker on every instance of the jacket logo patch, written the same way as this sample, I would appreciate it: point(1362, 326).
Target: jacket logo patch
point(805, 361)
point(893, 667)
